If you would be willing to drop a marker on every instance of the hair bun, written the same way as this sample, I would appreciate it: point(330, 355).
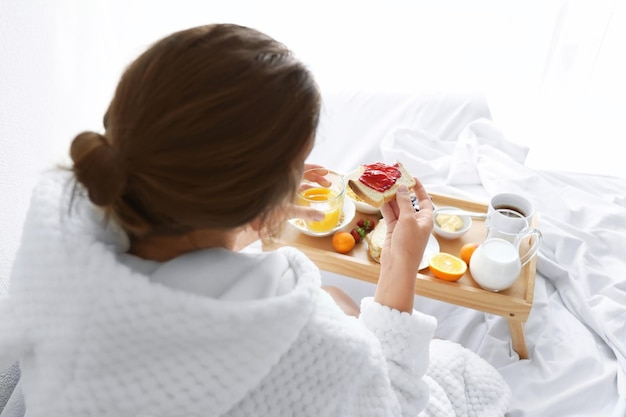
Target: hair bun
point(98, 167)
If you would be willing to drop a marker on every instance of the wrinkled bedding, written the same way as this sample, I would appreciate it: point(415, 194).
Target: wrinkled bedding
point(575, 333)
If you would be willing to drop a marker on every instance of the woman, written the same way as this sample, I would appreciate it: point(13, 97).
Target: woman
point(131, 294)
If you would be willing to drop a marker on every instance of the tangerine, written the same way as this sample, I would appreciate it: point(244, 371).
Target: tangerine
point(343, 242)
point(467, 251)
point(447, 267)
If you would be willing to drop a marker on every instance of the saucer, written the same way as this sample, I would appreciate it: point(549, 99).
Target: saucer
point(432, 247)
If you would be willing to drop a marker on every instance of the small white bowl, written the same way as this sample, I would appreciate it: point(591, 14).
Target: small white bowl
point(348, 213)
point(360, 205)
point(447, 234)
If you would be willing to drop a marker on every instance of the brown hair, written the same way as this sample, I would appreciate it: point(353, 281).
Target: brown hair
point(207, 129)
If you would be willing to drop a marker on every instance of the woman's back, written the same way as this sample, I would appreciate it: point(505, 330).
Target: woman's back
point(111, 338)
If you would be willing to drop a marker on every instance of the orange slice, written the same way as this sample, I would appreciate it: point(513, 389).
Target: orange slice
point(447, 267)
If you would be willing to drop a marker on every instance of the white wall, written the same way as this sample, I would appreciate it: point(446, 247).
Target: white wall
point(552, 70)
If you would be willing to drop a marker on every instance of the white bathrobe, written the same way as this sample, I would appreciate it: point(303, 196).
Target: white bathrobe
point(96, 338)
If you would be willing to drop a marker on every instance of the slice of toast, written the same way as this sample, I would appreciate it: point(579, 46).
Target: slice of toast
point(375, 240)
point(377, 198)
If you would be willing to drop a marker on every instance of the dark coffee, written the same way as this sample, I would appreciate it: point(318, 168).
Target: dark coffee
point(509, 207)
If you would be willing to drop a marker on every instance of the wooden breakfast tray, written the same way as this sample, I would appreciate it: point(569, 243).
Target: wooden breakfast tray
point(513, 304)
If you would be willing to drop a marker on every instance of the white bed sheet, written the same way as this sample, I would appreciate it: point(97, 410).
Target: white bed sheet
point(576, 333)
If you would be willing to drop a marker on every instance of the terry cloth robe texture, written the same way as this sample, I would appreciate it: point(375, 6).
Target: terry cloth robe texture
point(94, 338)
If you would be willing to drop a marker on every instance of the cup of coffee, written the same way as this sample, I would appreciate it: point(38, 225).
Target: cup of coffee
point(515, 202)
point(511, 211)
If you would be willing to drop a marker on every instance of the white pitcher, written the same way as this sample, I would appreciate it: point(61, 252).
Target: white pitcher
point(496, 262)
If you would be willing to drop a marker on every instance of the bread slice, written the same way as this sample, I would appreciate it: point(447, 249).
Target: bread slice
point(375, 240)
point(377, 198)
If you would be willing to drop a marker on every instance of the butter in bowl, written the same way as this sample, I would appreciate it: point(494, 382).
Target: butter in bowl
point(450, 226)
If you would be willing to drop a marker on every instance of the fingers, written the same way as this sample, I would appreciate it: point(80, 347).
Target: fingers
point(313, 166)
point(403, 204)
point(393, 209)
point(423, 198)
point(390, 211)
point(403, 201)
point(315, 173)
point(295, 211)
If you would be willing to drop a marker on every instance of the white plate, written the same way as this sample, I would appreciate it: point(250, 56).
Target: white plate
point(431, 248)
point(361, 206)
point(348, 213)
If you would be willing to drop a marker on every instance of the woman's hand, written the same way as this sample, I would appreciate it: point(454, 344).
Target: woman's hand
point(295, 211)
point(316, 173)
point(408, 232)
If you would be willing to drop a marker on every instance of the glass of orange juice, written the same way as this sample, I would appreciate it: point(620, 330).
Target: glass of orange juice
point(325, 191)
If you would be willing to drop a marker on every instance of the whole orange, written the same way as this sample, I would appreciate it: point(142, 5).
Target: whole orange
point(343, 242)
point(467, 251)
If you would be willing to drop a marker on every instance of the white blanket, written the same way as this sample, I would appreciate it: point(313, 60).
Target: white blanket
point(576, 331)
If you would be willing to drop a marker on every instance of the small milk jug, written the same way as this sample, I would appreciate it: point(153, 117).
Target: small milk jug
point(496, 262)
